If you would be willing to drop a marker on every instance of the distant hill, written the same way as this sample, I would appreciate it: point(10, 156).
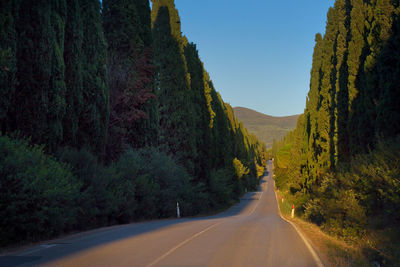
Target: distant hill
point(267, 128)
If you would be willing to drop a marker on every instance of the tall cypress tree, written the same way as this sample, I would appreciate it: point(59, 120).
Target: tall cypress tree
point(133, 114)
point(8, 68)
point(202, 116)
point(326, 118)
point(349, 89)
point(94, 117)
point(378, 30)
point(342, 115)
point(147, 128)
point(221, 138)
point(177, 129)
point(388, 66)
point(312, 148)
point(73, 72)
point(40, 74)
point(356, 48)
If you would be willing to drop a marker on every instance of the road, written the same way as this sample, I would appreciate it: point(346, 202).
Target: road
point(251, 233)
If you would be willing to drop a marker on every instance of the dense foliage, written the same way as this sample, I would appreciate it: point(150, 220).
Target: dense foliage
point(37, 193)
point(196, 126)
point(42, 196)
point(126, 117)
point(342, 160)
point(133, 117)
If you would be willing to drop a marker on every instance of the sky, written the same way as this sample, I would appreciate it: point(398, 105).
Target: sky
point(258, 53)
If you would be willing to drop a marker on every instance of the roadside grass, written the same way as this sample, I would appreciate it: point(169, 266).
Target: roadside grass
point(332, 251)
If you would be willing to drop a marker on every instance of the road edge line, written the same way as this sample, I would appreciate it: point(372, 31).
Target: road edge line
point(308, 245)
point(169, 252)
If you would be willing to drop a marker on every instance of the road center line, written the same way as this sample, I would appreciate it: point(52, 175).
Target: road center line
point(181, 244)
point(40, 247)
point(258, 203)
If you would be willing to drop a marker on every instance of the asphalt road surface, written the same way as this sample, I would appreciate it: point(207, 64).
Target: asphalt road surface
point(251, 233)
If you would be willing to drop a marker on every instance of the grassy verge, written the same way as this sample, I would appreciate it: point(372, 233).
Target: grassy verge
point(332, 251)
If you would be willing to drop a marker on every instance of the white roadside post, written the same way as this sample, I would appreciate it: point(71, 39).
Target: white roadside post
point(178, 212)
point(293, 211)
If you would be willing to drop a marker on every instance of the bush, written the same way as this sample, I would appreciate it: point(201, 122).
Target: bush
point(240, 169)
point(314, 212)
point(157, 183)
point(377, 178)
point(221, 187)
point(95, 200)
point(336, 207)
point(37, 193)
point(41, 197)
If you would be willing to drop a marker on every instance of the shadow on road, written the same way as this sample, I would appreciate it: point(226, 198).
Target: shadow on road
point(73, 244)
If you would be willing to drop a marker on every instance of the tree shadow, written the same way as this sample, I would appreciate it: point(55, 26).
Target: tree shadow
point(11, 261)
point(61, 248)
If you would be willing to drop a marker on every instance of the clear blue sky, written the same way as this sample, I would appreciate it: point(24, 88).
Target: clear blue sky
point(258, 53)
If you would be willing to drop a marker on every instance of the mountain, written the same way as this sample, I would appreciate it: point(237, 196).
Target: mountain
point(265, 127)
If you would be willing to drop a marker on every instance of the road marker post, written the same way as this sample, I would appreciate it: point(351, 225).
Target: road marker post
point(293, 211)
point(178, 212)
point(308, 245)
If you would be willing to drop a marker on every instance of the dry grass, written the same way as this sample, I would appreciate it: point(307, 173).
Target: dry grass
point(332, 251)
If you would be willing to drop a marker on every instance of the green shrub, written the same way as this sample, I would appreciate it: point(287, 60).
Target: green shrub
point(336, 207)
point(94, 202)
point(240, 169)
point(314, 212)
point(157, 183)
point(377, 178)
point(281, 178)
point(221, 187)
point(37, 194)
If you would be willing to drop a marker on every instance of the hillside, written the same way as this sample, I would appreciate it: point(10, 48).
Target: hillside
point(267, 128)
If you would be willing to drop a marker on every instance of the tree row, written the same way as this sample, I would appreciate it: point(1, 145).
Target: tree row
point(115, 94)
point(342, 159)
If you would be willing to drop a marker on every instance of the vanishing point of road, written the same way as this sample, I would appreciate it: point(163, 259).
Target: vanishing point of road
point(251, 233)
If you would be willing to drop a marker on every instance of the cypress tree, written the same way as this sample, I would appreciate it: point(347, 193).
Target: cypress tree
point(388, 108)
point(177, 128)
point(221, 138)
point(378, 30)
point(8, 68)
point(133, 116)
point(73, 73)
point(312, 148)
point(342, 115)
point(94, 117)
point(353, 86)
point(326, 116)
point(203, 119)
point(40, 71)
point(148, 128)
point(356, 48)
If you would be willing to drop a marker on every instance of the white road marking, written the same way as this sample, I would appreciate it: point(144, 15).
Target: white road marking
point(258, 203)
point(308, 245)
point(181, 244)
point(48, 245)
point(310, 248)
point(29, 252)
point(41, 247)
